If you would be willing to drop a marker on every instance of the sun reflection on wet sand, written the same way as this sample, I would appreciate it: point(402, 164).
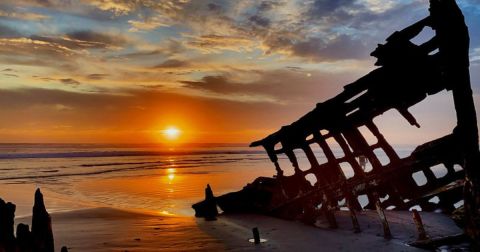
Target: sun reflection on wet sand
point(171, 175)
point(164, 212)
point(172, 189)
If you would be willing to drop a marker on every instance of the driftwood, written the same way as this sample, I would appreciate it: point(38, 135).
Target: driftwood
point(39, 239)
point(407, 74)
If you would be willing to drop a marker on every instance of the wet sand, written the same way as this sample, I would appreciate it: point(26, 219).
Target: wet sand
point(109, 229)
point(282, 235)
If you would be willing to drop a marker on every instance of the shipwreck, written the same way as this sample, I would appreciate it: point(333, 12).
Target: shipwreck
point(407, 74)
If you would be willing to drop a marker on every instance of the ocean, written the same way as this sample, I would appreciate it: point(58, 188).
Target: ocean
point(147, 177)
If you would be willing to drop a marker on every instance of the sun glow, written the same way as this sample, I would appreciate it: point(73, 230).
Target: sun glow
point(171, 133)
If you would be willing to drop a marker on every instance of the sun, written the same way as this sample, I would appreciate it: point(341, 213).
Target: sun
point(171, 133)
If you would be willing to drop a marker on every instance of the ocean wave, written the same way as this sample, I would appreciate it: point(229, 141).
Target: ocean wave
point(96, 172)
point(88, 154)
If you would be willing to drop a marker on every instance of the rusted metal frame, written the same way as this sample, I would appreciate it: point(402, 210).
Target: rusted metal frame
point(353, 136)
point(382, 142)
point(361, 186)
point(293, 160)
point(406, 186)
point(425, 162)
point(270, 149)
point(432, 183)
point(272, 153)
point(352, 205)
point(349, 156)
point(278, 169)
point(358, 173)
point(408, 167)
point(422, 234)
point(431, 179)
point(326, 196)
point(395, 197)
point(329, 209)
point(358, 186)
point(351, 200)
point(360, 146)
point(420, 165)
point(332, 175)
point(450, 169)
point(287, 148)
point(331, 178)
point(321, 193)
point(403, 188)
point(447, 178)
point(309, 204)
point(315, 170)
point(393, 193)
point(332, 156)
point(310, 156)
point(447, 200)
point(383, 218)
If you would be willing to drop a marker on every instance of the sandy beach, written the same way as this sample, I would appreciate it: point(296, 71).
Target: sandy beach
point(109, 229)
point(282, 235)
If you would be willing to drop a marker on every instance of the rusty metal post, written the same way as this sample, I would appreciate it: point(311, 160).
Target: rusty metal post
point(383, 218)
point(351, 202)
point(329, 212)
point(356, 225)
point(422, 235)
point(256, 235)
point(278, 169)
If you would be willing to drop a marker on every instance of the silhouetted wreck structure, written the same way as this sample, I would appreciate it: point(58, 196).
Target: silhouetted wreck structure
point(38, 239)
point(407, 74)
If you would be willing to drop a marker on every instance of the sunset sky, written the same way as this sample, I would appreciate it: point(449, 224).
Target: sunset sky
point(219, 71)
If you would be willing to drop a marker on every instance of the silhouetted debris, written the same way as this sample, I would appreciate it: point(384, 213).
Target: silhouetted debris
point(256, 235)
point(407, 74)
point(253, 198)
point(458, 215)
point(422, 235)
point(208, 207)
point(24, 238)
point(7, 217)
point(41, 225)
point(433, 244)
point(40, 239)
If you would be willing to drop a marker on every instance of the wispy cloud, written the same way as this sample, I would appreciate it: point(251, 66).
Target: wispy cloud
point(114, 54)
point(97, 76)
point(22, 15)
point(70, 81)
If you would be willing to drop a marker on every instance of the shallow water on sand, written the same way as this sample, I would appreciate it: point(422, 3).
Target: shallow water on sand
point(166, 180)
